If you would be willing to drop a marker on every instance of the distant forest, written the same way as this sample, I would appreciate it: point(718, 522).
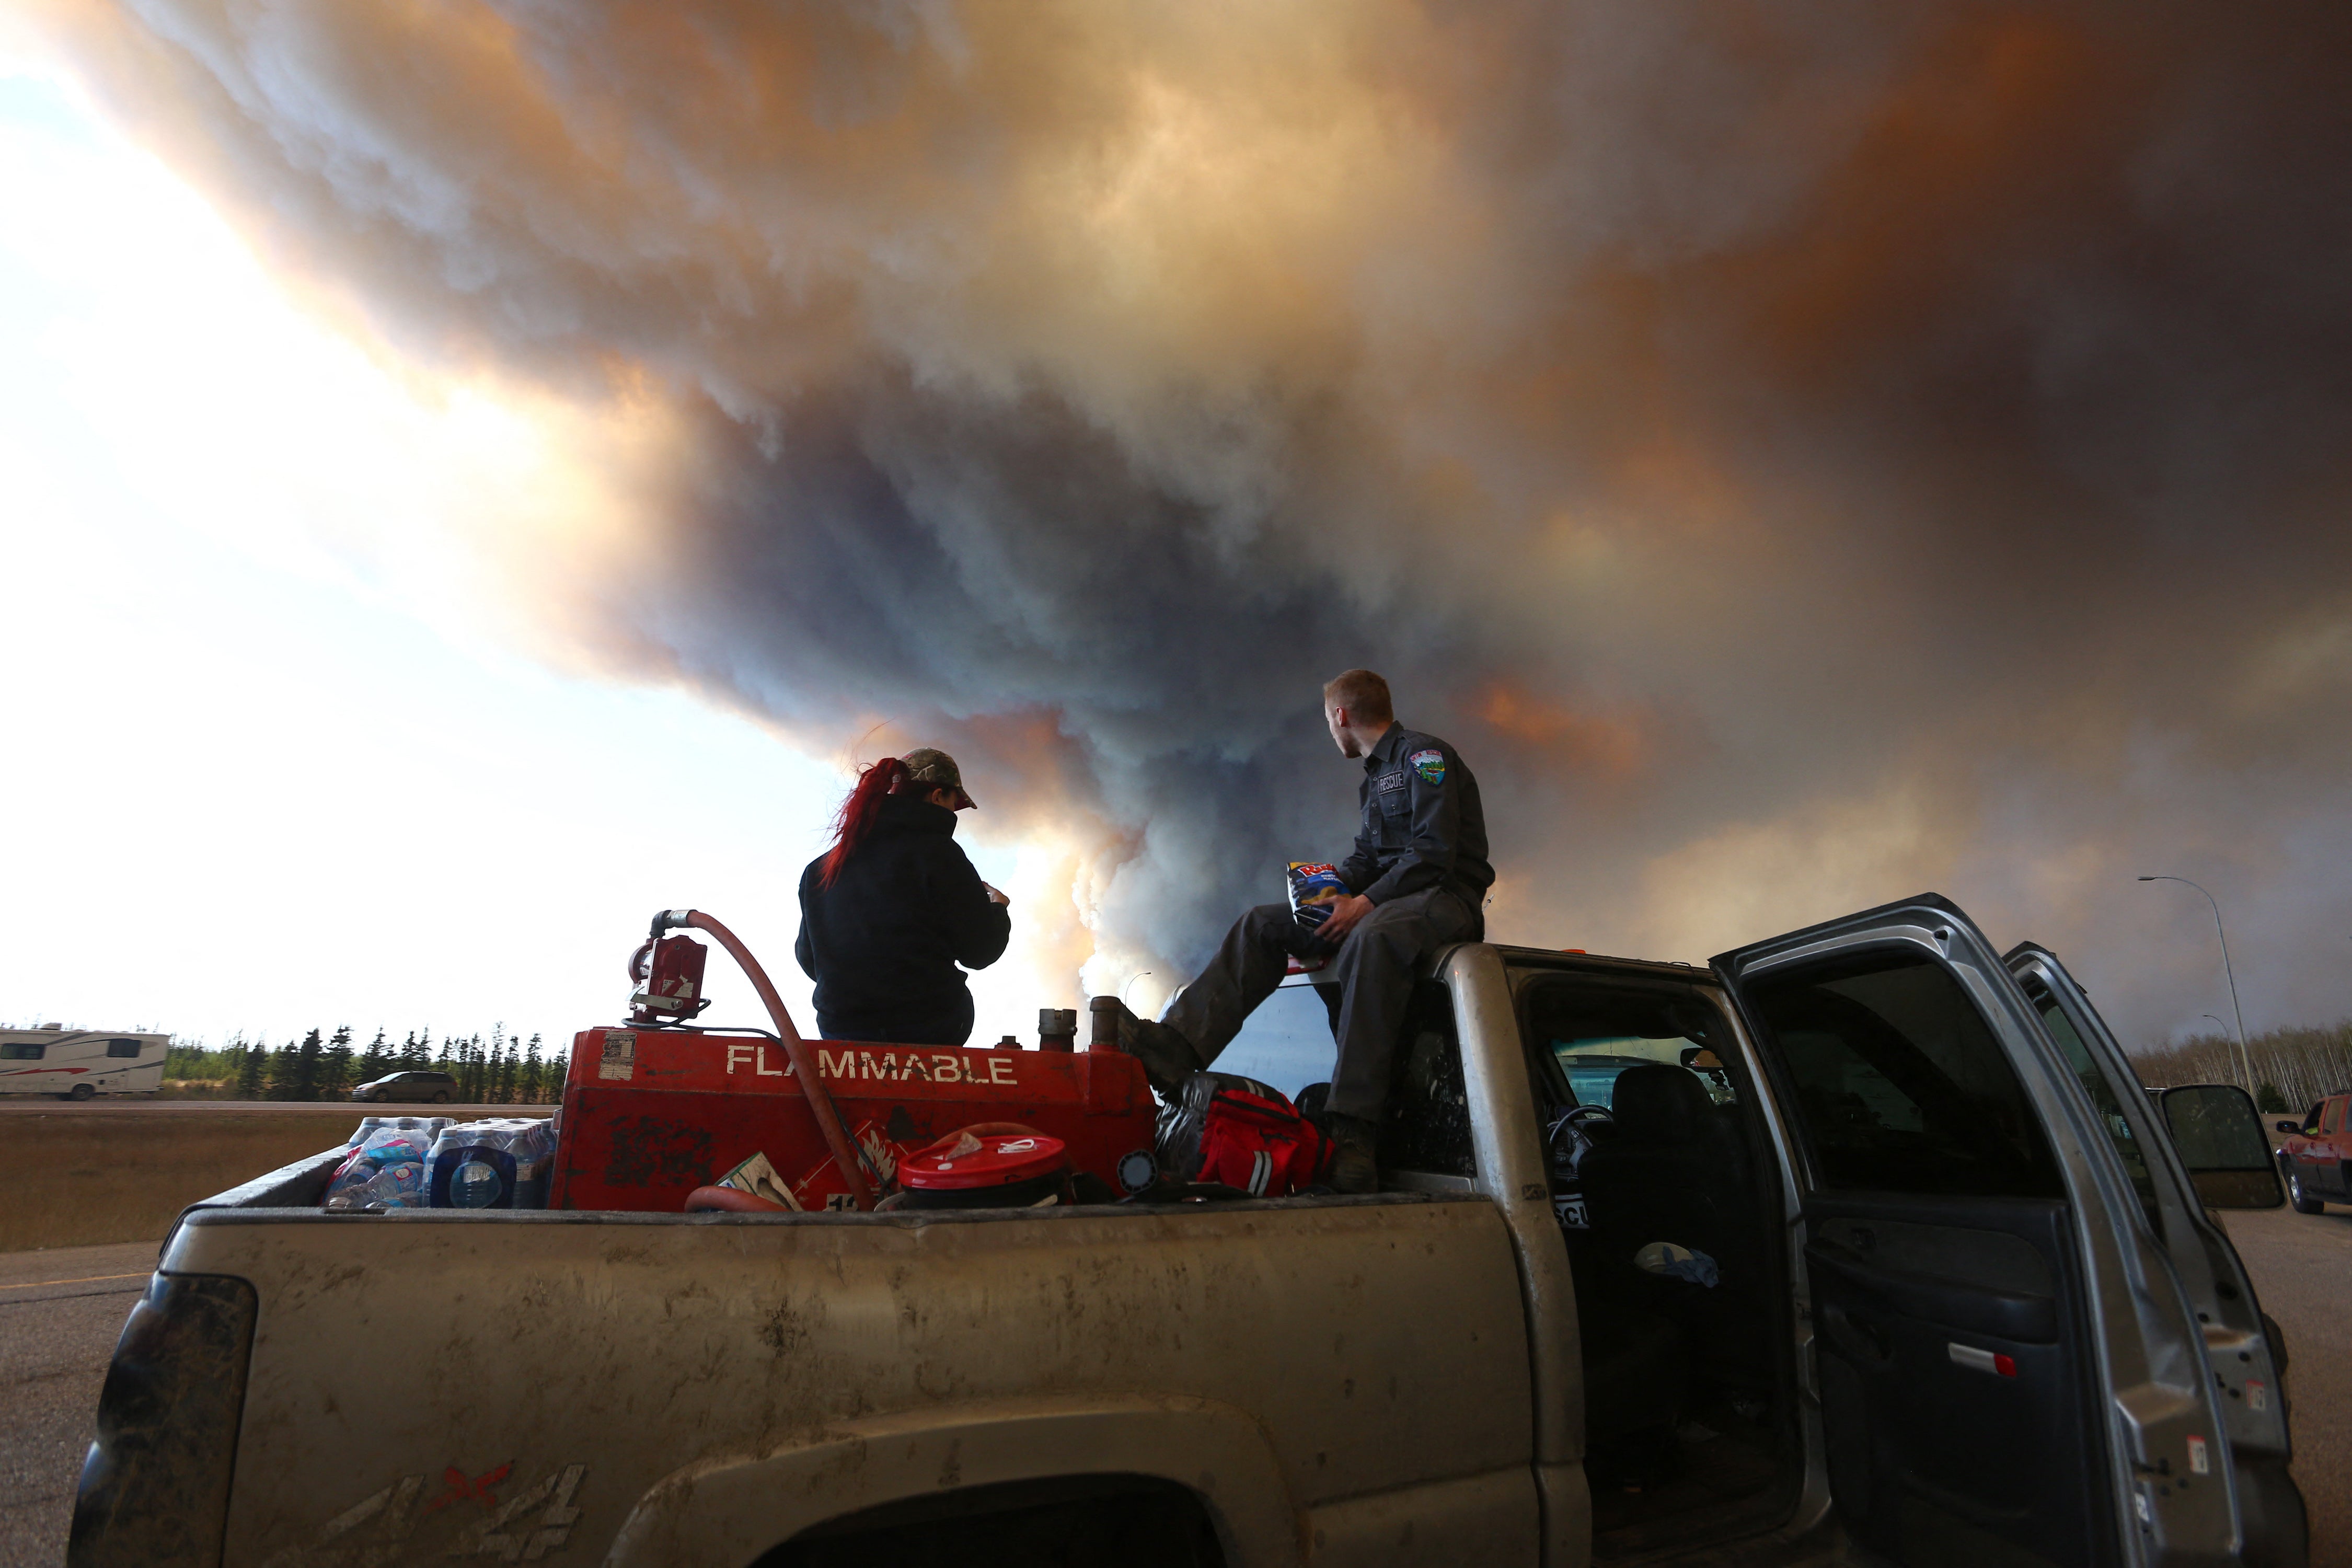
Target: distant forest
point(2293, 1067)
point(501, 1071)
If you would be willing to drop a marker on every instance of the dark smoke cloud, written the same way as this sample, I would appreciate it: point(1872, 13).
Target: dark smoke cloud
point(1800, 453)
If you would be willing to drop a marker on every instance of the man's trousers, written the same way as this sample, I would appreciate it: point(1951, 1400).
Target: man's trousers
point(1375, 966)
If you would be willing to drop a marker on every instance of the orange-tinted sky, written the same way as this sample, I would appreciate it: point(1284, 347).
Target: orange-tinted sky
point(1799, 455)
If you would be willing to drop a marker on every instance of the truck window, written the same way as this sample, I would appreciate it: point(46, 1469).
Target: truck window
point(125, 1048)
point(1593, 1065)
point(21, 1051)
point(1597, 1033)
point(2334, 1120)
point(2069, 1041)
point(1428, 1119)
point(1900, 1084)
point(1287, 1043)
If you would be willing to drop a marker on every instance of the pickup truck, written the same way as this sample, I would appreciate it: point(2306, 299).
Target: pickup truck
point(2311, 1156)
point(1941, 1285)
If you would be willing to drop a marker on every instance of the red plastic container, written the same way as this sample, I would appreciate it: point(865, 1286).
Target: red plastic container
point(1025, 1169)
point(651, 1114)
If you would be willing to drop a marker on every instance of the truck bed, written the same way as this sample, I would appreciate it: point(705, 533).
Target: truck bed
point(676, 1388)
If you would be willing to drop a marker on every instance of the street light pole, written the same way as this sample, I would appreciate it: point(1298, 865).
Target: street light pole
point(2245, 1057)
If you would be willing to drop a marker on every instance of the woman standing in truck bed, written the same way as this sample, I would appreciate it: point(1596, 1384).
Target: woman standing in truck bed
point(889, 912)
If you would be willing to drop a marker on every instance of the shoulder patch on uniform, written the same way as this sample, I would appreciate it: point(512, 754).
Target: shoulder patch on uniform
point(1430, 765)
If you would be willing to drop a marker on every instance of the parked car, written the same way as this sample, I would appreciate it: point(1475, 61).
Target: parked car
point(2315, 1155)
point(1965, 1303)
point(437, 1087)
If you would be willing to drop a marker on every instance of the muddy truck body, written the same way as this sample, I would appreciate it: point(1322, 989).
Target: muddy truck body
point(1859, 1244)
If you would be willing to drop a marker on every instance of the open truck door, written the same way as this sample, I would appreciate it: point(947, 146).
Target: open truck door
point(2009, 1369)
point(2190, 1151)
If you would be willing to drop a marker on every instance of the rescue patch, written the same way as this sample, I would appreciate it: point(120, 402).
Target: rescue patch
point(1388, 782)
point(1430, 765)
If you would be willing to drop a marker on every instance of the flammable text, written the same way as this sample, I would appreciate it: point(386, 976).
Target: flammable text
point(942, 1067)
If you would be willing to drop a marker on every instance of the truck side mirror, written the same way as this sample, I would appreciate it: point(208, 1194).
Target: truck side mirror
point(2288, 1126)
point(2220, 1136)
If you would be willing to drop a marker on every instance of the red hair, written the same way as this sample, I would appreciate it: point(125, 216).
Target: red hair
point(856, 818)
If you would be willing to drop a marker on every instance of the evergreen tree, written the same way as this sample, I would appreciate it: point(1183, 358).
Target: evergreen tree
point(284, 1068)
point(375, 1062)
point(248, 1070)
point(335, 1065)
point(534, 1075)
point(2271, 1100)
point(305, 1067)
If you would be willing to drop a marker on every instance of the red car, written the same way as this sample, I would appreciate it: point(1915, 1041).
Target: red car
point(2312, 1156)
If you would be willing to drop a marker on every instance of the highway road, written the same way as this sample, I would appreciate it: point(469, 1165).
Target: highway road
point(60, 1310)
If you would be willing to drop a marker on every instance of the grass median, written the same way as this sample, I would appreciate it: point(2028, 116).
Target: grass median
point(70, 1180)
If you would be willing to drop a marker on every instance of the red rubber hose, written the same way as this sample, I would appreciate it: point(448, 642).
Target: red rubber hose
point(727, 1200)
point(819, 1098)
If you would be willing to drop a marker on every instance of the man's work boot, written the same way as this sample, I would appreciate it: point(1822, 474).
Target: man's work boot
point(1354, 1168)
point(1168, 1058)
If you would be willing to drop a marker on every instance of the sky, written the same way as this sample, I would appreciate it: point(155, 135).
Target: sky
point(261, 781)
point(505, 465)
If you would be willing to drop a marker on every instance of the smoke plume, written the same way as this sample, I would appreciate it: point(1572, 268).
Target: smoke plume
point(1799, 453)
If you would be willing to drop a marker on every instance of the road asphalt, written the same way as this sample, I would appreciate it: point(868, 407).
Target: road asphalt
point(2299, 1264)
point(60, 1310)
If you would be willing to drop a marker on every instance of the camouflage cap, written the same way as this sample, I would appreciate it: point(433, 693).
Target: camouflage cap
point(929, 765)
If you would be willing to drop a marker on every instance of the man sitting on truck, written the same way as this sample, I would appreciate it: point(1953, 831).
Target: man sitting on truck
point(1415, 882)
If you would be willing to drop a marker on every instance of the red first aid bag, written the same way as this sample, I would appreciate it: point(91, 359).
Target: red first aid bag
point(1238, 1133)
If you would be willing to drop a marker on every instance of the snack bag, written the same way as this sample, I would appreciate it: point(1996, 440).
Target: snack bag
point(758, 1178)
point(1315, 886)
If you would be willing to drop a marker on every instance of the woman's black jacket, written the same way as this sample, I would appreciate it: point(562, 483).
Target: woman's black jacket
point(883, 943)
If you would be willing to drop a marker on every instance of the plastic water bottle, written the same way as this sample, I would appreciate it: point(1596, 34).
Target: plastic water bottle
point(498, 1163)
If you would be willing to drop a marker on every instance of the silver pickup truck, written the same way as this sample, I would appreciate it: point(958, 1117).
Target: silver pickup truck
point(1860, 1245)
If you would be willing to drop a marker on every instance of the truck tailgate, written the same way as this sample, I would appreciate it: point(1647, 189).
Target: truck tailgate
point(532, 1386)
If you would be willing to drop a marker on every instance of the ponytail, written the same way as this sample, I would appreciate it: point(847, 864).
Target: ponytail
point(857, 812)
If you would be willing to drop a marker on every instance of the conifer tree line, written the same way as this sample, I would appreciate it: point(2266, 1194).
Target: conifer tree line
point(502, 1069)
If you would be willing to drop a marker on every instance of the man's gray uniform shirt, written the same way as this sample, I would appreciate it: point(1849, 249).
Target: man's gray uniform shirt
point(1423, 825)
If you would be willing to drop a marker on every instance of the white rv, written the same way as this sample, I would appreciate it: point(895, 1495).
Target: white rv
point(76, 1064)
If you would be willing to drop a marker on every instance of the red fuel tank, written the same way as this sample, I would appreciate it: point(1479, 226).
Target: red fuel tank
point(651, 1114)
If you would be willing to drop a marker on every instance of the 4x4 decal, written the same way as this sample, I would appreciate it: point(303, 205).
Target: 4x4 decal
point(380, 1529)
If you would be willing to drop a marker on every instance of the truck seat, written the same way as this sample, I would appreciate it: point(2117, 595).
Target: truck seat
point(1675, 1169)
point(1654, 1177)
